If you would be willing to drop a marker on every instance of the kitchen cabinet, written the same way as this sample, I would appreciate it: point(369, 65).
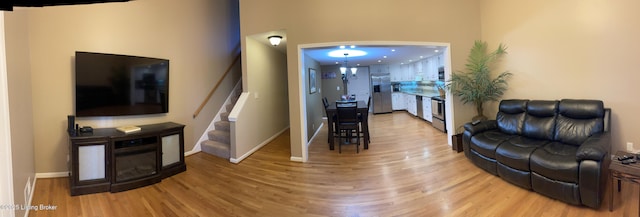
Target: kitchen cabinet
point(425, 73)
point(398, 101)
point(395, 72)
point(432, 68)
point(441, 60)
point(411, 104)
point(379, 69)
point(426, 109)
point(404, 72)
point(407, 71)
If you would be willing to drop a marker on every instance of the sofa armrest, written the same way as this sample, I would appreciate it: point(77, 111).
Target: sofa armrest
point(596, 147)
point(480, 127)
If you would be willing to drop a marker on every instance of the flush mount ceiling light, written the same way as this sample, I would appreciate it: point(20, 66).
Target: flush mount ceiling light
point(275, 39)
point(349, 52)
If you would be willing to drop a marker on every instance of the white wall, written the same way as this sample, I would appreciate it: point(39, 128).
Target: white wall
point(315, 108)
point(263, 104)
point(572, 49)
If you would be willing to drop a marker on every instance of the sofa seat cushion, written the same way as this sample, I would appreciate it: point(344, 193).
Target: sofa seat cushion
point(485, 143)
point(514, 176)
point(487, 164)
point(516, 152)
point(564, 191)
point(556, 161)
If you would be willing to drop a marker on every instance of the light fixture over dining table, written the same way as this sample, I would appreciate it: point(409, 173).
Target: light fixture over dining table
point(343, 68)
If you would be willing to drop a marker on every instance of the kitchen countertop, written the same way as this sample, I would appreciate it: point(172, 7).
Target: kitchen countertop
point(424, 94)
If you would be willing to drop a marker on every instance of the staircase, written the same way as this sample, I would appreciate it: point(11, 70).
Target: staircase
point(219, 139)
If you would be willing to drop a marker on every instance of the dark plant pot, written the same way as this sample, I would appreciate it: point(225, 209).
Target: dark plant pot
point(456, 141)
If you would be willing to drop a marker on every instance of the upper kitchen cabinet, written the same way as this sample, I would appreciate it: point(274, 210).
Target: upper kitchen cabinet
point(395, 72)
point(379, 69)
point(408, 73)
point(431, 67)
point(432, 70)
point(418, 66)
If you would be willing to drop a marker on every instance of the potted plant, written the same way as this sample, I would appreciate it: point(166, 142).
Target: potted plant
point(476, 84)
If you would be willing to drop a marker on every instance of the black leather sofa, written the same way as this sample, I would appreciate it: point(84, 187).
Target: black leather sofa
point(559, 149)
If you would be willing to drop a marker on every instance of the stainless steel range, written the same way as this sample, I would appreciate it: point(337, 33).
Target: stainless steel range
point(437, 110)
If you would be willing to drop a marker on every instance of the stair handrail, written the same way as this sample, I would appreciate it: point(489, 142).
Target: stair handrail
point(206, 100)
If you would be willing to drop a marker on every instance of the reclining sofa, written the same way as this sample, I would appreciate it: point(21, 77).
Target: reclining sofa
point(559, 149)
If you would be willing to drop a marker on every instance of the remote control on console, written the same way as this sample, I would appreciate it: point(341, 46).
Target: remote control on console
point(625, 157)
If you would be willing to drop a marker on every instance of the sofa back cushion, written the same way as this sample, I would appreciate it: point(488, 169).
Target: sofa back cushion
point(510, 115)
point(578, 119)
point(540, 119)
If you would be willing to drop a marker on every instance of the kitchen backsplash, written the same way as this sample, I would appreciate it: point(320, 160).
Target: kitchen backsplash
point(419, 86)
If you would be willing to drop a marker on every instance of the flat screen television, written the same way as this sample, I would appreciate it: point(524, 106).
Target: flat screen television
point(117, 85)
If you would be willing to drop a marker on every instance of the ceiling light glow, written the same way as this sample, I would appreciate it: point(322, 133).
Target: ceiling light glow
point(351, 53)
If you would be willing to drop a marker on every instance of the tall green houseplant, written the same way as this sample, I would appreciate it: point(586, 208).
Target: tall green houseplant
point(475, 84)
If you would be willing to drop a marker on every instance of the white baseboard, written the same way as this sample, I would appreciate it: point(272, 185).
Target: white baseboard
point(296, 159)
point(237, 160)
point(315, 134)
point(52, 175)
point(189, 153)
point(33, 189)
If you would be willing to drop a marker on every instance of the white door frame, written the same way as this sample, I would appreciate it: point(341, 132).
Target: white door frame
point(6, 164)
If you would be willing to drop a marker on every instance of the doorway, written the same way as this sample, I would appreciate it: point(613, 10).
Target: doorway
point(303, 58)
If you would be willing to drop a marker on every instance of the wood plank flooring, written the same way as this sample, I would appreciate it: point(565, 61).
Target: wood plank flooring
point(409, 170)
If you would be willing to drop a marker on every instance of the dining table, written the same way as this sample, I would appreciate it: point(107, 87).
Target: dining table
point(362, 109)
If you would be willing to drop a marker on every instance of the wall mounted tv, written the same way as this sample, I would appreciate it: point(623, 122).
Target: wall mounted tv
point(116, 85)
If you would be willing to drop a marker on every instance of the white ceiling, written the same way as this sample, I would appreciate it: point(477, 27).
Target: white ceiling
point(403, 54)
point(376, 54)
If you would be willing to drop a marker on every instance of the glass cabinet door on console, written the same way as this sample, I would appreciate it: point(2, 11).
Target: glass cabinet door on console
point(172, 144)
point(170, 149)
point(89, 166)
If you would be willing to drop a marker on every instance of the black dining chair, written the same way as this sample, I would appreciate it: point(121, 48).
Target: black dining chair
point(360, 118)
point(331, 135)
point(347, 124)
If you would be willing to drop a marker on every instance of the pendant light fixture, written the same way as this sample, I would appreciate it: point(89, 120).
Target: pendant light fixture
point(343, 68)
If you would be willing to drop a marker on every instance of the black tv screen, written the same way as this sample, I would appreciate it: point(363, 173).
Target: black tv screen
point(116, 85)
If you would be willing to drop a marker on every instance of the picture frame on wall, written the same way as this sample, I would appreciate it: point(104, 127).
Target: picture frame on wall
point(312, 81)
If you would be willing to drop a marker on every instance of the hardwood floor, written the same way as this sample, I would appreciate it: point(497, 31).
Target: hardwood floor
point(408, 170)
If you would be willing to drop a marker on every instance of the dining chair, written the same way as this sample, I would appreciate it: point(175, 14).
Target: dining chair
point(360, 118)
point(347, 124)
point(331, 135)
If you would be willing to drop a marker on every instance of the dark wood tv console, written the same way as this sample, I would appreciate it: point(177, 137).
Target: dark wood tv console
point(109, 160)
